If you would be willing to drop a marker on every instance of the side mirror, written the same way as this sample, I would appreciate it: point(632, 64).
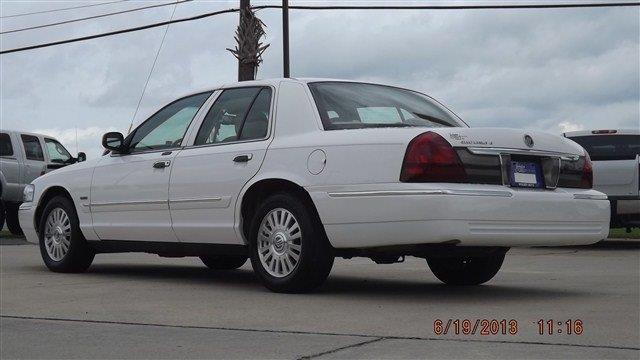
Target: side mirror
point(81, 157)
point(113, 141)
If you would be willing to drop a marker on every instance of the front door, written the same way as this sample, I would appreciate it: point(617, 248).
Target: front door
point(208, 176)
point(129, 191)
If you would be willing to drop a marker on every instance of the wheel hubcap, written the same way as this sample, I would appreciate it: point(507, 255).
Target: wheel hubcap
point(57, 234)
point(279, 242)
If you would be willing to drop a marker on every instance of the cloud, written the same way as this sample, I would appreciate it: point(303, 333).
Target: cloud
point(514, 68)
point(566, 126)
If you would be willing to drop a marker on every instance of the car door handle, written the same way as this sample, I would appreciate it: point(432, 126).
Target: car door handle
point(161, 164)
point(243, 158)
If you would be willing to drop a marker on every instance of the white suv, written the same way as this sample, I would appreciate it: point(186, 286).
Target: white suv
point(616, 163)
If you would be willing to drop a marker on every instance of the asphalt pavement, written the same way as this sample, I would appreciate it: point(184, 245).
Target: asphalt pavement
point(144, 306)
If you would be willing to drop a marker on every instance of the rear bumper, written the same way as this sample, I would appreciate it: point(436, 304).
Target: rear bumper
point(471, 215)
point(25, 216)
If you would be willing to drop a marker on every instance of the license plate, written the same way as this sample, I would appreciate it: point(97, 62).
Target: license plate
point(525, 174)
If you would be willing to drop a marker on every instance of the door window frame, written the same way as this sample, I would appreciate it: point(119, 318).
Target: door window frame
point(197, 125)
point(196, 118)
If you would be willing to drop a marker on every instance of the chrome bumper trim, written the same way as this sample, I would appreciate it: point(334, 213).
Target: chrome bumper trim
point(497, 193)
point(507, 151)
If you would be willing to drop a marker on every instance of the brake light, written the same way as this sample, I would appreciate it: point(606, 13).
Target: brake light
point(430, 158)
point(597, 132)
point(587, 173)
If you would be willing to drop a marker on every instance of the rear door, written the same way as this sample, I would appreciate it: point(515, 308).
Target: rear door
point(615, 162)
point(227, 152)
point(34, 162)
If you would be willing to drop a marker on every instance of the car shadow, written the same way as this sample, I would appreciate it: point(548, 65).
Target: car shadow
point(605, 245)
point(337, 285)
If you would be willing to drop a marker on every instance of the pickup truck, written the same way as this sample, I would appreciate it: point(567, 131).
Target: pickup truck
point(616, 163)
point(23, 157)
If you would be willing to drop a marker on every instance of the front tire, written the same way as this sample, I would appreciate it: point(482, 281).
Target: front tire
point(466, 270)
point(62, 245)
point(11, 217)
point(289, 250)
point(223, 262)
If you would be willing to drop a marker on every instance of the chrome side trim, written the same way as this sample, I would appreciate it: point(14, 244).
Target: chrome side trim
point(145, 202)
point(590, 196)
point(497, 193)
point(182, 201)
point(507, 151)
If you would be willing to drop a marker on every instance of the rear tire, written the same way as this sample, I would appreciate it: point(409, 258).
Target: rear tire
point(289, 249)
point(223, 262)
point(62, 245)
point(13, 224)
point(466, 270)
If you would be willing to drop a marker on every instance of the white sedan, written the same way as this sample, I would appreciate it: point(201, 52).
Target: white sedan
point(294, 172)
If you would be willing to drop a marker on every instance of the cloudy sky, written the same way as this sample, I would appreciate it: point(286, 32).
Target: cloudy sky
point(553, 70)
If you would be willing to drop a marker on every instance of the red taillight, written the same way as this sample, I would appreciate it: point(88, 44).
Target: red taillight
point(587, 173)
point(430, 158)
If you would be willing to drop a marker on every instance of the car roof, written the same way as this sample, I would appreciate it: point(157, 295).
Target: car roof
point(24, 133)
point(276, 82)
point(593, 132)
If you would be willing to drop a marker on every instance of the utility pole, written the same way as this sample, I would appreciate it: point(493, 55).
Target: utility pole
point(285, 38)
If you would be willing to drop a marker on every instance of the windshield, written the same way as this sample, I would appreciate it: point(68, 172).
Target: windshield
point(610, 147)
point(344, 105)
point(57, 152)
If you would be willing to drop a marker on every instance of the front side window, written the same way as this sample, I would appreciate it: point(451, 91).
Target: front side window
point(32, 148)
point(344, 105)
point(610, 147)
point(166, 128)
point(238, 114)
point(57, 152)
point(5, 145)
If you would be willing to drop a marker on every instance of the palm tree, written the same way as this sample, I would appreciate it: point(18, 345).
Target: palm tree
point(248, 48)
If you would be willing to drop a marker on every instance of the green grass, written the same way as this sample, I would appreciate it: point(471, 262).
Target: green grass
point(622, 234)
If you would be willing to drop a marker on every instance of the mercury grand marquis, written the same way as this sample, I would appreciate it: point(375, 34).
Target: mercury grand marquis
point(291, 173)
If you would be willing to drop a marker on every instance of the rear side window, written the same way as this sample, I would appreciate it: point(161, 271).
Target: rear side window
point(238, 114)
point(5, 145)
point(610, 147)
point(32, 148)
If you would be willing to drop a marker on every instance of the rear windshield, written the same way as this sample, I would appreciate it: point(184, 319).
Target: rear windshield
point(344, 105)
point(610, 147)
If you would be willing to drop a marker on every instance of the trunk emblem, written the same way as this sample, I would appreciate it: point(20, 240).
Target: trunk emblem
point(528, 140)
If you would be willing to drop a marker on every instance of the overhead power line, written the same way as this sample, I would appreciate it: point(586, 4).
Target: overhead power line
point(153, 66)
point(117, 32)
point(450, 7)
point(335, 7)
point(62, 9)
point(93, 17)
